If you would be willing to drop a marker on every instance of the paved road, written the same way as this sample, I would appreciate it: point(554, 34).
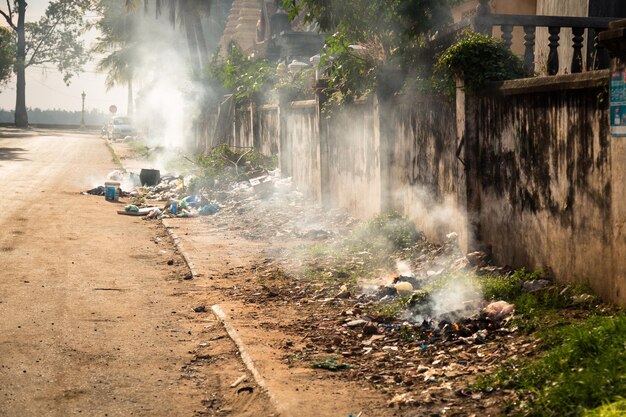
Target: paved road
point(92, 321)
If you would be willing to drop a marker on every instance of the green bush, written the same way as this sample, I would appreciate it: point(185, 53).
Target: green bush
point(388, 229)
point(478, 59)
point(225, 165)
point(244, 75)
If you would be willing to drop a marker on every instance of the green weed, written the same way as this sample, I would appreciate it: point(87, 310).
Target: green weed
point(614, 409)
point(584, 367)
point(330, 364)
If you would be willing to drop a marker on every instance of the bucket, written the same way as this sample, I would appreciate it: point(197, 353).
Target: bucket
point(110, 190)
point(150, 177)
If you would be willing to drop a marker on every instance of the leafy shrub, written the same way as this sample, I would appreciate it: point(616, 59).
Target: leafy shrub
point(225, 165)
point(389, 229)
point(244, 75)
point(479, 59)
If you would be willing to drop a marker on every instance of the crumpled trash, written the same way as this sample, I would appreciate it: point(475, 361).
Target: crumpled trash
point(116, 175)
point(535, 285)
point(209, 209)
point(154, 214)
point(95, 191)
point(499, 310)
point(402, 399)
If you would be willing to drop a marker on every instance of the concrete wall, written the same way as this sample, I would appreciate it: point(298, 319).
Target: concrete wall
point(425, 179)
point(547, 180)
point(242, 129)
point(267, 129)
point(527, 171)
point(351, 154)
point(301, 137)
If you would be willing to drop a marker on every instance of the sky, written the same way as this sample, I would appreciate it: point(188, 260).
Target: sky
point(45, 88)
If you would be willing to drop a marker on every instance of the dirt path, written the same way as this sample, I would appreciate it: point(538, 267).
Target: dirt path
point(93, 319)
point(300, 391)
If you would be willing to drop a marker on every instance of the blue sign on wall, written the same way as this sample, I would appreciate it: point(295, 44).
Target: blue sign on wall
point(618, 103)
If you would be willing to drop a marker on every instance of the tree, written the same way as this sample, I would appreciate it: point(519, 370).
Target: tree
point(188, 14)
point(7, 54)
point(117, 42)
point(371, 41)
point(54, 39)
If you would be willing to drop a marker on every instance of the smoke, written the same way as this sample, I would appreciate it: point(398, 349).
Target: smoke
point(459, 297)
point(168, 92)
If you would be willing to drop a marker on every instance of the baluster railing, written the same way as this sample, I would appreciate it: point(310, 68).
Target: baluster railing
point(507, 35)
point(484, 22)
point(529, 48)
point(601, 59)
point(577, 58)
point(553, 55)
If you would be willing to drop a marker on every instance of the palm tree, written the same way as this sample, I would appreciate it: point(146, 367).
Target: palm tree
point(117, 44)
point(119, 67)
point(187, 14)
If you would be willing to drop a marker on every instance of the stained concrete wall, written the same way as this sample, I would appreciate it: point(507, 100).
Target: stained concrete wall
point(424, 177)
point(301, 139)
point(267, 129)
point(527, 171)
point(547, 183)
point(242, 129)
point(351, 157)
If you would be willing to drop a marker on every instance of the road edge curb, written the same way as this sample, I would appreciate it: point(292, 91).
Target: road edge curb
point(179, 245)
point(243, 354)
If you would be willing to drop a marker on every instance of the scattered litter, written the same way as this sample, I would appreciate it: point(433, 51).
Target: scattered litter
point(238, 381)
point(200, 309)
point(405, 399)
point(535, 285)
point(330, 364)
point(498, 310)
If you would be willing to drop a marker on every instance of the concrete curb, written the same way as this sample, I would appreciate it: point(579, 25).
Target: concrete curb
point(179, 245)
point(243, 353)
point(174, 236)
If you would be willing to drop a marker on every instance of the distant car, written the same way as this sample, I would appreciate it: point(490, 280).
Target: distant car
point(120, 127)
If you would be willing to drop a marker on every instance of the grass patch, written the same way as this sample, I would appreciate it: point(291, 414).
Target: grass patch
point(139, 149)
point(583, 369)
point(115, 159)
point(614, 409)
point(387, 232)
point(330, 364)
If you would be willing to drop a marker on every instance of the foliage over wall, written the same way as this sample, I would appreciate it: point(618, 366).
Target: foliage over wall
point(478, 59)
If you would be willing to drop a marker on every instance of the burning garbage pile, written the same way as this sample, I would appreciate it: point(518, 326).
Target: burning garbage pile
point(397, 324)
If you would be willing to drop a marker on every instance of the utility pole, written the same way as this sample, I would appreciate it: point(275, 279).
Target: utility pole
point(82, 117)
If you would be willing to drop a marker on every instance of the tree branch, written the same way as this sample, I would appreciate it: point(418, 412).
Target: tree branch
point(8, 19)
point(41, 41)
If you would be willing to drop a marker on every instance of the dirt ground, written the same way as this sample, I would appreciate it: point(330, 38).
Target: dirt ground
point(96, 317)
point(244, 256)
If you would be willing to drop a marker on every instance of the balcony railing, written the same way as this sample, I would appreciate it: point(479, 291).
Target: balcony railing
point(584, 29)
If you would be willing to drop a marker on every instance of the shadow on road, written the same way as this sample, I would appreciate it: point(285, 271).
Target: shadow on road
point(12, 154)
point(13, 133)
